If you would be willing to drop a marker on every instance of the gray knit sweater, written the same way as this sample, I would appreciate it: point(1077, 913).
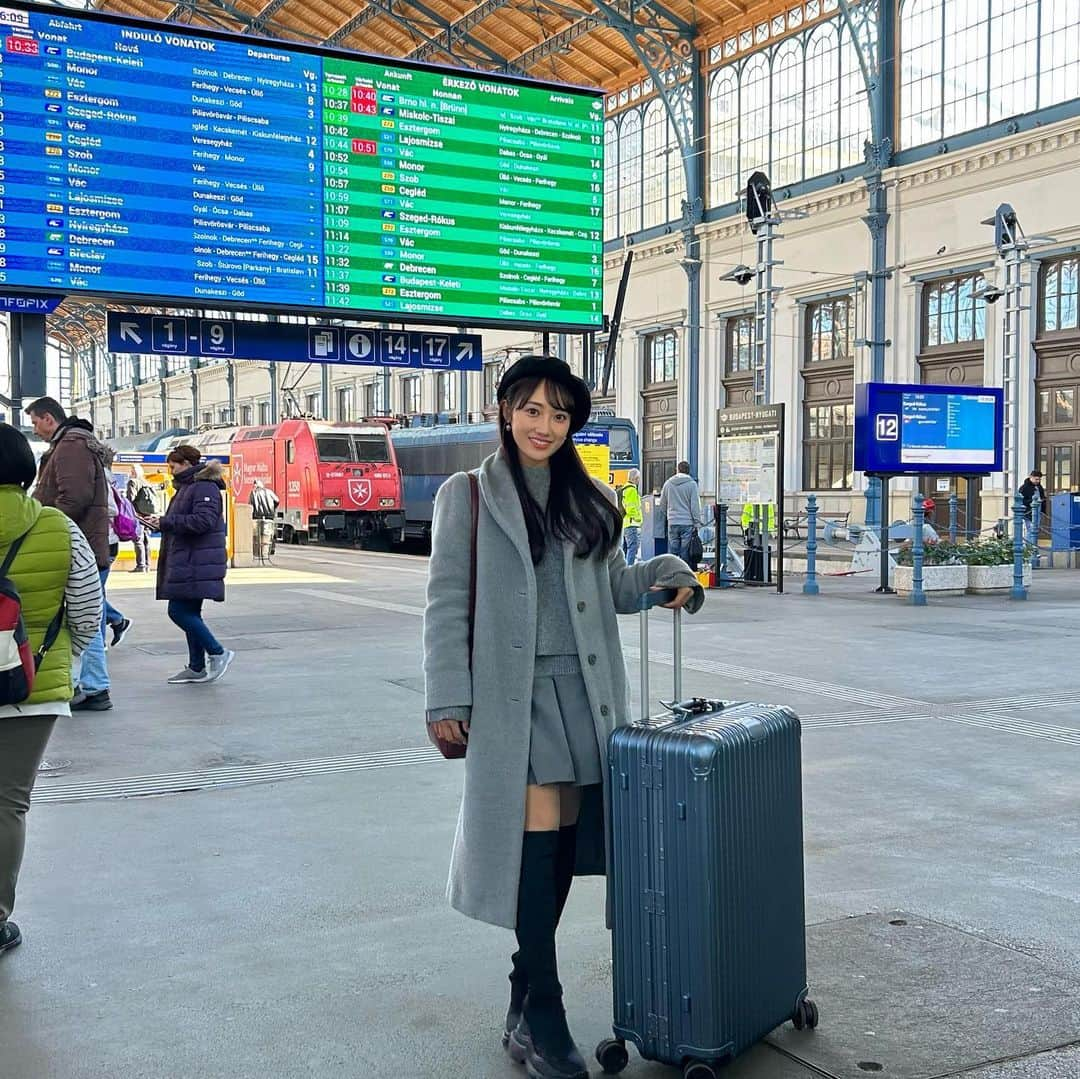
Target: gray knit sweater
point(554, 633)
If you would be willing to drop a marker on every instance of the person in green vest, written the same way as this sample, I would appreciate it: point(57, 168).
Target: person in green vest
point(752, 515)
point(630, 499)
point(47, 557)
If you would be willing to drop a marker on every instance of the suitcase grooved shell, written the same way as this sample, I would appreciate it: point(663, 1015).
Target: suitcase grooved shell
point(709, 941)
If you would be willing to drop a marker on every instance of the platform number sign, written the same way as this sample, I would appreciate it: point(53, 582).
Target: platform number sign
point(436, 351)
point(279, 342)
point(888, 427)
point(170, 335)
point(395, 348)
point(216, 338)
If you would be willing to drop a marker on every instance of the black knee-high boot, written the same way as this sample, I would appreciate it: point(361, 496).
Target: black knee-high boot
point(542, 1039)
point(565, 860)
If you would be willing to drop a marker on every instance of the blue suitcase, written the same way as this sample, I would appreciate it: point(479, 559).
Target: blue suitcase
point(706, 866)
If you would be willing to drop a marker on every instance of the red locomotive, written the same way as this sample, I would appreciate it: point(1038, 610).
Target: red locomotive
point(336, 481)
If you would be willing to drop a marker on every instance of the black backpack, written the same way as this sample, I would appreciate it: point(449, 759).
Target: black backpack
point(144, 501)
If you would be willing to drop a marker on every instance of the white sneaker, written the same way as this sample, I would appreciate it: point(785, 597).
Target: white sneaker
point(216, 666)
point(188, 675)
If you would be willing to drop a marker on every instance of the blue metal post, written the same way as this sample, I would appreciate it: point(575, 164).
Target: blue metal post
point(918, 596)
point(722, 578)
point(1018, 589)
point(954, 509)
point(810, 588)
point(1036, 520)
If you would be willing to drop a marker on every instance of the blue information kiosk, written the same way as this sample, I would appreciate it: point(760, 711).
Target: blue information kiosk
point(911, 430)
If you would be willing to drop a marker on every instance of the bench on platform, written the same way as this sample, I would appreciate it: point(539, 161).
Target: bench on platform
point(795, 524)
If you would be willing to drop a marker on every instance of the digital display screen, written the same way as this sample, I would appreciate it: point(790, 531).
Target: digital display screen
point(912, 429)
point(943, 429)
point(150, 162)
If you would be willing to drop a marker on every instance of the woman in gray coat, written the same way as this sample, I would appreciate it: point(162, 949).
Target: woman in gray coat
point(543, 687)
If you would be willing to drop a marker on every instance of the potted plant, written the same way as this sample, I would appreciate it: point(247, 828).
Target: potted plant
point(944, 571)
point(990, 565)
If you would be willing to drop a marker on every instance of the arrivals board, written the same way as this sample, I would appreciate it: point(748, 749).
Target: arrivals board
point(150, 162)
point(918, 429)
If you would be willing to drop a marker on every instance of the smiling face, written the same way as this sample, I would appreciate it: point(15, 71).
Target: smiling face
point(539, 419)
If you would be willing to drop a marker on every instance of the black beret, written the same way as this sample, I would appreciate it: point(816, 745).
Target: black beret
point(553, 369)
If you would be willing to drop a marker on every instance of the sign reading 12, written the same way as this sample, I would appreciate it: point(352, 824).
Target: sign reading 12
point(887, 428)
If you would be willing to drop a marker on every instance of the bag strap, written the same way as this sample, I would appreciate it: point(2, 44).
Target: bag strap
point(474, 498)
point(13, 550)
point(53, 630)
point(51, 633)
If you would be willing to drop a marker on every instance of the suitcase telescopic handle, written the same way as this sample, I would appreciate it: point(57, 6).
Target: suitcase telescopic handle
point(647, 602)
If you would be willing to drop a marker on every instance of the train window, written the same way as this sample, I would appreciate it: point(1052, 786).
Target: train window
point(370, 449)
point(334, 448)
point(620, 444)
point(290, 451)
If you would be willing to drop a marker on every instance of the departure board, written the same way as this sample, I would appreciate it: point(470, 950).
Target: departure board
point(152, 163)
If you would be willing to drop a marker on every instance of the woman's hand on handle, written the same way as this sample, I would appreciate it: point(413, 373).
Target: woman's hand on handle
point(682, 596)
point(449, 730)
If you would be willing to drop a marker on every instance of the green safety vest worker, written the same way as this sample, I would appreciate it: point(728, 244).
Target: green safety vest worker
point(630, 497)
point(748, 514)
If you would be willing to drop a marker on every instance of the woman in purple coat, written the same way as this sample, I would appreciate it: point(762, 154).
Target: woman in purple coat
point(191, 563)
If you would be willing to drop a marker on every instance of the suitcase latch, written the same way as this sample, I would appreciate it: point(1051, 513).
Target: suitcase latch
point(652, 776)
point(654, 902)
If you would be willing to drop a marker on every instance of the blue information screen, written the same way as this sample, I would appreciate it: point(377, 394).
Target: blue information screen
point(151, 162)
point(919, 429)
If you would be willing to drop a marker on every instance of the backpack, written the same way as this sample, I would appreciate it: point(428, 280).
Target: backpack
point(18, 665)
point(144, 501)
point(125, 524)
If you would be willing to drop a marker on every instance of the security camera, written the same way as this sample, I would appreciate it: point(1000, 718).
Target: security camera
point(988, 293)
point(741, 275)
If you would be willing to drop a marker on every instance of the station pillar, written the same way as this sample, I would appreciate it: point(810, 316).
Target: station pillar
point(26, 355)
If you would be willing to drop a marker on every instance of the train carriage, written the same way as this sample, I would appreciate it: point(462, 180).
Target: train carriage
point(428, 456)
point(336, 481)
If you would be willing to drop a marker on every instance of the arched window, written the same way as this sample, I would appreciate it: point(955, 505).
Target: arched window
point(656, 152)
point(1059, 77)
point(611, 179)
point(754, 116)
point(822, 95)
point(921, 72)
point(964, 100)
point(676, 174)
point(724, 136)
point(1014, 55)
point(787, 114)
point(854, 105)
point(969, 63)
point(630, 172)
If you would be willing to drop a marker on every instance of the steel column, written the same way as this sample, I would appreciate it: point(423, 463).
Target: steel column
point(764, 306)
point(1011, 348)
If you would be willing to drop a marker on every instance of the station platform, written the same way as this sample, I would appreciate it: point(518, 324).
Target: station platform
point(245, 880)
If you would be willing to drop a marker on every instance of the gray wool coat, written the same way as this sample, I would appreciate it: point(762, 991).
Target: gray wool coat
point(486, 860)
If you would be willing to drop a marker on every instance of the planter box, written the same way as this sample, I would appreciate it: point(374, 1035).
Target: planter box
point(937, 580)
point(988, 579)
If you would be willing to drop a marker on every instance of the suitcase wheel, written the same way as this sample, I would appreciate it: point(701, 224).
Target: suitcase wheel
point(700, 1069)
point(612, 1056)
point(806, 1015)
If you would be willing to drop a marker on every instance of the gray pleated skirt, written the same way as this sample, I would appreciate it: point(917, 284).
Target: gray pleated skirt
point(563, 746)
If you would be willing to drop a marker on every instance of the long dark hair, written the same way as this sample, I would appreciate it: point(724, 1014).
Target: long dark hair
point(577, 510)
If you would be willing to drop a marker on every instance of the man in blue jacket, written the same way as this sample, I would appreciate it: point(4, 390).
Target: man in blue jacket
point(680, 501)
